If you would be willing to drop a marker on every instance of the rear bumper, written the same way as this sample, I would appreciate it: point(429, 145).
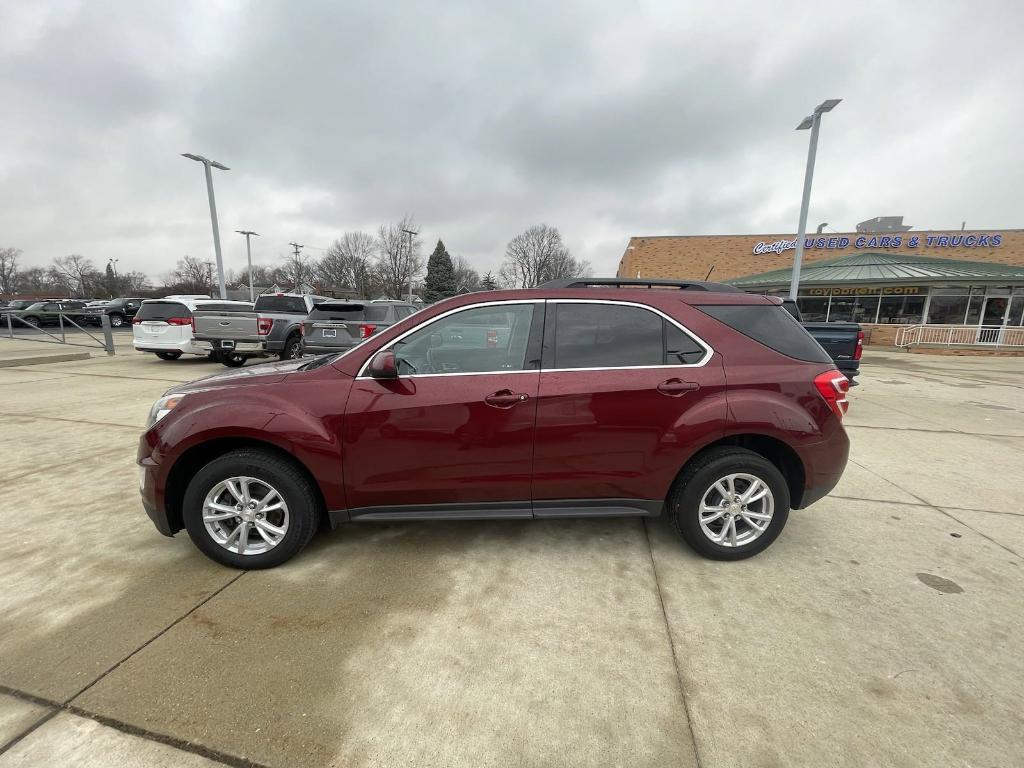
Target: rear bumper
point(188, 347)
point(323, 349)
point(823, 463)
point(241, 347)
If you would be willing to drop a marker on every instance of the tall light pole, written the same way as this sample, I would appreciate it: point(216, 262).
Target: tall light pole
point(248, 253)
point(812, 121)
point(411, 234)
point(213, 215)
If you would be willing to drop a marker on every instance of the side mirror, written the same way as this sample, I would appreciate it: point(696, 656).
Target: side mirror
point(383, 365)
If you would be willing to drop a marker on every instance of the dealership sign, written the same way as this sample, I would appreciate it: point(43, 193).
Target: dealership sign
point(884, 241)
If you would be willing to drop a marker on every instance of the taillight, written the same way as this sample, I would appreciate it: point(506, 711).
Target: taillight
point(860, 346)
point(492, 338)
point(302, 329)
point(833, 386)
point(179, 321)
point(136, 320)
point(263, 325)
point(366, 330)
point(193, 325)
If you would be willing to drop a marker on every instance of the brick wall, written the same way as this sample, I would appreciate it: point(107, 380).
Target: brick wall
point(690, 257)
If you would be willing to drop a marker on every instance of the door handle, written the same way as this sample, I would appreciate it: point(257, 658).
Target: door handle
point(506, 398)
point(677, 387)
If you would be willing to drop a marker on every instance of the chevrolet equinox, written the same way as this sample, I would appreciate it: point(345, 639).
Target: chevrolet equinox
point(586, 398)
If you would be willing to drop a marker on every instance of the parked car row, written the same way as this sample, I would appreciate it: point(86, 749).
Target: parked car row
point(45, 312)
point(284, 325)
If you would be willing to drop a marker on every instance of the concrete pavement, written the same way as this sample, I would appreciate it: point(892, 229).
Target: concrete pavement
point(878, 630)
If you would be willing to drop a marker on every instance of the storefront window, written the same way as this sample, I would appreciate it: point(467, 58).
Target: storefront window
point(974, 310)
point(813, 308)
point(865, 309)
point(904, 310)
point(947, 310)
point(841, 310)
point(1016, 316)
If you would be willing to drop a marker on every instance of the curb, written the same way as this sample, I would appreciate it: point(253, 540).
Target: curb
point(40, 359)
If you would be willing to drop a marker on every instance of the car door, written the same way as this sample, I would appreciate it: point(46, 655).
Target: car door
point(625, 394)
point(452, 436)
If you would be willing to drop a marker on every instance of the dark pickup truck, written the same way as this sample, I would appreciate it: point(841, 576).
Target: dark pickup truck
point(844, 342)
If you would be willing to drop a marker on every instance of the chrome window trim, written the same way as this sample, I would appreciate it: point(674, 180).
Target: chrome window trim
point(443, 315)
point(708, 350)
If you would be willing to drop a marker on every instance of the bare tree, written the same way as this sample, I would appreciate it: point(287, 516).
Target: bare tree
point(466, 278)
point(399, 261)
point(133, 282)
point(191, 276)
point(348, 263)
point(536, 256)
point(9, 270)
point(76, 273)
point(35, 280)
point(295, 271)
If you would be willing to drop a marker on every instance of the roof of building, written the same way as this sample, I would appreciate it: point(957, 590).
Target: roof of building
point(885, 267)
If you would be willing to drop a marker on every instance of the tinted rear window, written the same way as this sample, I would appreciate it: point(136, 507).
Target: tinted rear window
point(772, 326)
point(337, 312)
point(163, 310)
point(208, 306)
point(287, 304)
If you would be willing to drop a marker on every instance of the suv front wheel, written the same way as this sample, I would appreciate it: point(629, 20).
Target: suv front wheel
point(730, 503)
point(250, 509)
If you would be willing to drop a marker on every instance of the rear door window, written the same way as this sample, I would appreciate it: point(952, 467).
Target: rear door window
point(162, 310)
point(590, 335)
point(771, 326)
point(281, 304)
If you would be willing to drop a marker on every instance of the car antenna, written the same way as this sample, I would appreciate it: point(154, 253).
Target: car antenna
point(709, 272)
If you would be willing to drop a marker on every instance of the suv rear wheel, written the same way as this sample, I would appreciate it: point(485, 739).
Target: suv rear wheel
point(292, 348)
point(730, 503)
point(250, 509)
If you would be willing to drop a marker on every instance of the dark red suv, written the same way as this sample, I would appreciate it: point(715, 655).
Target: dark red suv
point(592, 398)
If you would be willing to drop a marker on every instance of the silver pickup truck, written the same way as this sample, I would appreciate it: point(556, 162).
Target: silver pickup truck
point(271, 328)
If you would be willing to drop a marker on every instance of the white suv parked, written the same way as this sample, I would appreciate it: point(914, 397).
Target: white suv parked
point(164, 326)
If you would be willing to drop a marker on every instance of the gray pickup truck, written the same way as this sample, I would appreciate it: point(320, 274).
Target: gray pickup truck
point(271, 328)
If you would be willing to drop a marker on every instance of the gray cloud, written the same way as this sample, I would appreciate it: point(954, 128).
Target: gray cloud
point(606, 120)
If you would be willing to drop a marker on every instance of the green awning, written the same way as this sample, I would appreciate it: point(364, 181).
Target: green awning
point(863, 268)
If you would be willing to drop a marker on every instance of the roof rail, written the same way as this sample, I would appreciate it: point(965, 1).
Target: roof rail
point(639, 282)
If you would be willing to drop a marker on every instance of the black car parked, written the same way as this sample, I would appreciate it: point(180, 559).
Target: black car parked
point(120, 311)
point(49, 312)
point(334, 326)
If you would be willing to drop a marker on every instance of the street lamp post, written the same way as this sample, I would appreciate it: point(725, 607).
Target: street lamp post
point(213, 215)
point(812, 121)
point(248, 253)
point(411, 235)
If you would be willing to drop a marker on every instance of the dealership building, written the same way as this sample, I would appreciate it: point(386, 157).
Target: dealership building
point(965, 284)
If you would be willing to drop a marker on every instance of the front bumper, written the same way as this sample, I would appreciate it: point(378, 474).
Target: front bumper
point(147, 490)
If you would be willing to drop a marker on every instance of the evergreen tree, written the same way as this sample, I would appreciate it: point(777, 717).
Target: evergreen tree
point(488, 283)
point(440, 281)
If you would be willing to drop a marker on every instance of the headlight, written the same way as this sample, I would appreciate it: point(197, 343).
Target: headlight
point(162, 407)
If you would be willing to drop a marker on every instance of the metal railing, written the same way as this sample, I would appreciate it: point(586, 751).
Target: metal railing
point(106, 343)
point(961, 336)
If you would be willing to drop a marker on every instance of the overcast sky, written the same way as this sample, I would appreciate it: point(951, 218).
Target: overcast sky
point(606, 120)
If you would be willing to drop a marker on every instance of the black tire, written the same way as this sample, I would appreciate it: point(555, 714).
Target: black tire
point(231, 359)
point(292, 348)
point(168, 355)
point(696, 480)
point(116, 320)
point(34, 320)
point(278, 472)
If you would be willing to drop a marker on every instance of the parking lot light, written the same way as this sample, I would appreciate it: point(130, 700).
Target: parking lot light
point(812, 121)
point(207, 164)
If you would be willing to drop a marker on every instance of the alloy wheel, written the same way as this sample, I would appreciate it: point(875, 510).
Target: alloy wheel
point(245, 515)
point(736, 510)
